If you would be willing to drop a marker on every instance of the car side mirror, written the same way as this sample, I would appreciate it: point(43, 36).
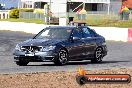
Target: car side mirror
point(76, 38)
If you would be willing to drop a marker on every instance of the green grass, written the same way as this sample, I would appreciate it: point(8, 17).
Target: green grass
point(91, 21)
point(37, 21)
point(106, 21)
point(110, 23)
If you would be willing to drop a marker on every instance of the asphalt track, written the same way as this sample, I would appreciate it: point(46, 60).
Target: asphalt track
point(119, 56)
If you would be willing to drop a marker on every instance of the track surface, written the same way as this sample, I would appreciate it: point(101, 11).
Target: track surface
point(119, 56)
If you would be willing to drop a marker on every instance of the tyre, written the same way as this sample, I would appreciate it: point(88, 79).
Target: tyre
point(62, 57)
point(81, 80)
point(22, 63)
point(98, 56)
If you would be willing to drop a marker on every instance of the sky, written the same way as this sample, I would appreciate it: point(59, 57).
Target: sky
point(9, 3)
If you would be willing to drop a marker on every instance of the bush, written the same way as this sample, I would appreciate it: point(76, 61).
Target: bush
point(14, 13)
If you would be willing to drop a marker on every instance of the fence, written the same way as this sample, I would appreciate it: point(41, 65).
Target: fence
point(92, 15)
point(31, 15)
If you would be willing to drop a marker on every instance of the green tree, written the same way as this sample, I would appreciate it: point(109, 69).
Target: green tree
point(14, 13)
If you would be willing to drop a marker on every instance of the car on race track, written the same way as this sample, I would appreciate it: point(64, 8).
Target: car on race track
point(60, 44)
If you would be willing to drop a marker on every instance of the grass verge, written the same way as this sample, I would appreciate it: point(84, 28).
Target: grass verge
point(37, 21)
point(106, 21)
point(91, 21)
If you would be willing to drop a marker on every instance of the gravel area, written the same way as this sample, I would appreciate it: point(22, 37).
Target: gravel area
point(58, 80)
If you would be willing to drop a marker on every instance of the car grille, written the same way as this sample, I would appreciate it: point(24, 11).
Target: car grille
point(31, 48)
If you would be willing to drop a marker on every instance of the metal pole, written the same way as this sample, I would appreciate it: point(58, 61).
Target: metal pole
point(49, 11)
point(50, 4)
point(18, 4)
point(83, 5)
point(77, 7)
point(68, 11)
point(108, 8)
point(69, 6)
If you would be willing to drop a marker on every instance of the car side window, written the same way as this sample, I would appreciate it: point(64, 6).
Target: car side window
point(93, 33)
point(86, 32)
point(77, 33)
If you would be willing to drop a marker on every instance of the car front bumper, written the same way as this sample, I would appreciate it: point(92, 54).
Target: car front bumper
point(34, 56)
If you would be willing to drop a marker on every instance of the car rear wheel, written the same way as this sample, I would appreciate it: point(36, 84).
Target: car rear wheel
point(62, 57)
point(98, 56)
point(22, 63)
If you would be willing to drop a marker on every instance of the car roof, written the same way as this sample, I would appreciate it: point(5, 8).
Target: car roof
point(66, 27)
point(63, 27)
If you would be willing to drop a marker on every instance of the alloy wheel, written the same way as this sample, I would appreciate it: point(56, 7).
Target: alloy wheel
point(63, 57)
point(98, 55)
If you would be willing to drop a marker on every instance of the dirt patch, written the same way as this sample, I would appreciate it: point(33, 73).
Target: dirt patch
point(57, 80)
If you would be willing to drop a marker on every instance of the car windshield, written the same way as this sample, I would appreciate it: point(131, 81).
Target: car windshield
point(54, 33)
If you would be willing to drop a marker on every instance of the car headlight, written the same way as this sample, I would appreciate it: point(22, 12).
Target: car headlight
point(104, 43)
point(48, 48)
point(18, 47)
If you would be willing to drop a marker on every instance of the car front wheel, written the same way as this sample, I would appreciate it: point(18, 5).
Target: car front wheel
point(62, 57)
point(98, 56)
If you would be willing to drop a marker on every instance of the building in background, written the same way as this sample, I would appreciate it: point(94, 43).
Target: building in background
point(4, 14)
point(63, 6)
point(32, 4)
point(97, 6)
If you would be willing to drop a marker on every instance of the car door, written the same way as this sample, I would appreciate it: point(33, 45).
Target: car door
point(90, 42)
point(76, 46)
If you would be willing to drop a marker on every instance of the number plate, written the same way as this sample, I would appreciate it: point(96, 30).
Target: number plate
point(30, 54)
